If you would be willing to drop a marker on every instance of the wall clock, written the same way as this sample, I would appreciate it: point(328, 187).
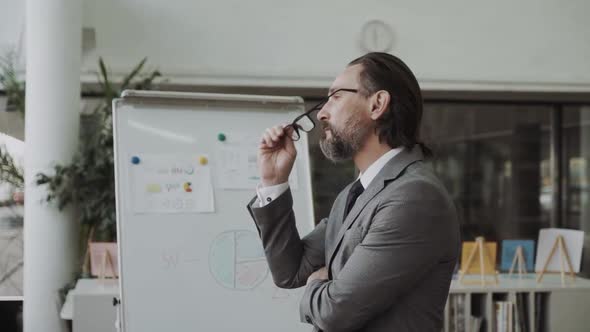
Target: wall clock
point(376, 36)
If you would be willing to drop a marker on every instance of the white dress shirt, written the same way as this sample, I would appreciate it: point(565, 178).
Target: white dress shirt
point(270, 193)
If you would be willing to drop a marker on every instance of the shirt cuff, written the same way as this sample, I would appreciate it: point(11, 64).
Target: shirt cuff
point(269, 194)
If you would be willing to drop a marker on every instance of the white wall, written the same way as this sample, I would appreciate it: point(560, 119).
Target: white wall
point(503, 44)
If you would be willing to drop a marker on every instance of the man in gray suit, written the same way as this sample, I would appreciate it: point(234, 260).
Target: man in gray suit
point(384, 257)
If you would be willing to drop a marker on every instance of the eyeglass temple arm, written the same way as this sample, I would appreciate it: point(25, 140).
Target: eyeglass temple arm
point(293, 124)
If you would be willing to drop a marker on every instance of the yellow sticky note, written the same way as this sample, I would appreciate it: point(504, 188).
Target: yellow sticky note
point(153, 188)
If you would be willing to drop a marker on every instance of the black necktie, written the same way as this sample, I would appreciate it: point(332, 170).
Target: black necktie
point(355, 191)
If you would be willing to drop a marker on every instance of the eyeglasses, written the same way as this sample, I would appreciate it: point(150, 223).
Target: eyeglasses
point(304, 122)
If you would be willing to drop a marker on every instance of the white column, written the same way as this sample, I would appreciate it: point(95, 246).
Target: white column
point(53, 47)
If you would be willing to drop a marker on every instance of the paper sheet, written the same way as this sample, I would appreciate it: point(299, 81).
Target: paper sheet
point(238, 169)
point(171, 184)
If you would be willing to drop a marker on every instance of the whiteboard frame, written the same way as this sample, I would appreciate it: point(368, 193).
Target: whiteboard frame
point(140, 97)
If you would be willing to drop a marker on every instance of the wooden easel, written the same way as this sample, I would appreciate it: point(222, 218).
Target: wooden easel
point(86, 264)
point(563, 253)
point(518, 258)
point(106, 259)
point(483, 255)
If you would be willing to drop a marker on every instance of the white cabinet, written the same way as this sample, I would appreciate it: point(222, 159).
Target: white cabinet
point(90, 305)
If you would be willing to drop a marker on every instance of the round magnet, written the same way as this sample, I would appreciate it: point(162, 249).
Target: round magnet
point(221, 137)
point(135, 160)
point(203, 160)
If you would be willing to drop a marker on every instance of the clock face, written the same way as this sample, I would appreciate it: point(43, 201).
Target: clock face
point(376, 36)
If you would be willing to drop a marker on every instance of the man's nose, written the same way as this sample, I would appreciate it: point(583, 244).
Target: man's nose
point(322, 113)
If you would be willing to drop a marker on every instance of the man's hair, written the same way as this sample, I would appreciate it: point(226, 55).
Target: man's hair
point(400, 124)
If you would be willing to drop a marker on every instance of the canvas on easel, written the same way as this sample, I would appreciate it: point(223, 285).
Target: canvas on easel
point(103, 259)
point(517, 255)
point(560, 251)
point(479, 258)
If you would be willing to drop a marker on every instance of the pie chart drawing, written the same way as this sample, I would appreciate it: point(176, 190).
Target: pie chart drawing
point(237, 261)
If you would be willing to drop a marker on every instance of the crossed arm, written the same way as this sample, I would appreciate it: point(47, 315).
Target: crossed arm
point(401, 246)
point(392, 258)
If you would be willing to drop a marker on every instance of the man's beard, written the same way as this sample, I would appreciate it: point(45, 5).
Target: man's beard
point(346, 142)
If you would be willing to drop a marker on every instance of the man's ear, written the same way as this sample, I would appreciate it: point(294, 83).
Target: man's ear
point(379, 104)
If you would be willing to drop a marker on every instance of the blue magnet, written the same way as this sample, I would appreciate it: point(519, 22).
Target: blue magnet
point(135, 160)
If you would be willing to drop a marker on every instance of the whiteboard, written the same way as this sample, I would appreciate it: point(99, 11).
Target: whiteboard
point(188, 263)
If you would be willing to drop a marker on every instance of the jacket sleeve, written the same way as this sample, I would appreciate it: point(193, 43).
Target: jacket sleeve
point(291, 259)
point(403, 243)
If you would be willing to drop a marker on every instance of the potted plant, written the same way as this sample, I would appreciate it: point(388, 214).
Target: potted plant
point(88, 181)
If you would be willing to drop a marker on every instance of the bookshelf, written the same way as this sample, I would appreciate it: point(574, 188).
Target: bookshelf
point(546, 306)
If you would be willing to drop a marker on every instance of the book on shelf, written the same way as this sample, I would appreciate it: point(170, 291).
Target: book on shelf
point(504, 316)
point(456, 305)
point(476, 323)
point(459, 313)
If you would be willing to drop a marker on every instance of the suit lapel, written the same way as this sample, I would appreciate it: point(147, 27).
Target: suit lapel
point(389, 172)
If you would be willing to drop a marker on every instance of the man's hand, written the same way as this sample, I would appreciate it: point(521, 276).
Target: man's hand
point(321, 274)
point(276, 156)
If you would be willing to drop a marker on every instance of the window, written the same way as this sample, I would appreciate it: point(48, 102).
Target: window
point(576, 174)
point(495, 161)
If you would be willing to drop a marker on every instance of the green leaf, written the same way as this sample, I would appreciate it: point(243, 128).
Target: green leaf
point(9, 172)
point(108, 89)
point(88, 180)
point(133, 73)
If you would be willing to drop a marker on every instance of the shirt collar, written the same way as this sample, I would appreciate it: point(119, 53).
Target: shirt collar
point(377, 165)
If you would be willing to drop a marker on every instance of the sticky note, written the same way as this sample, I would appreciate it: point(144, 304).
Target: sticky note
point(153, 188)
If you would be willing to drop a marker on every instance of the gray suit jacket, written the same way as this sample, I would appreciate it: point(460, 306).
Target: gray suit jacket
point(390, 261)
